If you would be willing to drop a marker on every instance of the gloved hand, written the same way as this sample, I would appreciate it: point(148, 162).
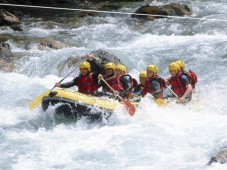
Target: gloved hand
point(57, 85)
point(123, 93)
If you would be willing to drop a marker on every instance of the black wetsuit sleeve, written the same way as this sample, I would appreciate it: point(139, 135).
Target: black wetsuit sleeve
point(95, 77)
point(157, 88)
point(137, 88)
point(127, 84)
point(184, 80)
point(74, 82)
point(95, 67)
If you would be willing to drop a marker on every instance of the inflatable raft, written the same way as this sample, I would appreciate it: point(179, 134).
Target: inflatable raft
point(73, 104)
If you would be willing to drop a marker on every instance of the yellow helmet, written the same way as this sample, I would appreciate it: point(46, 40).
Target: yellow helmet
point(143, 74)
point(85, 65)
point(110, 66)
point(153, 68)
point(181, 64)
point(121, 67)
point(174, 67)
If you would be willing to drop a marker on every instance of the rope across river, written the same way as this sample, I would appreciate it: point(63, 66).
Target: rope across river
point(112, 12)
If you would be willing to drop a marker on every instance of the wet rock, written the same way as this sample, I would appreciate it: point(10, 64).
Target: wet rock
point(16, 27)
point(102, 57)
point(6, 58)
point(5, 52)
point(110, 7)
point(172, 9)
point(8, 19)
point(51, 43)
point(86, 13)
point(112, 1)
point(6, 67)
point(221, 157)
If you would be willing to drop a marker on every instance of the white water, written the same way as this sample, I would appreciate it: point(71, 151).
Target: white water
point(177, 137)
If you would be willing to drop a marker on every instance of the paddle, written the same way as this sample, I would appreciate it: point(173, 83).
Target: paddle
point(35, 103)
point(173, 92)
point(130, 108)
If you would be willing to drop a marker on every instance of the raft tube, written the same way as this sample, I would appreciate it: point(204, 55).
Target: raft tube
point(75, 105)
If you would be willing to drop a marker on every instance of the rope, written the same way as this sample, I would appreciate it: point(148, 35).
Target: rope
point(113, 12)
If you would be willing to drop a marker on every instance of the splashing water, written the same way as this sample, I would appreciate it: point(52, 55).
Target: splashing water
point(176, 137)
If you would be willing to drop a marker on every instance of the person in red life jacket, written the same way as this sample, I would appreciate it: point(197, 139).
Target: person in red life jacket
point(109, 77)
point(191, 74)
point(155, 84)
point(123, 84)
point(139, 88)
point(87, 81)
point(180, 83)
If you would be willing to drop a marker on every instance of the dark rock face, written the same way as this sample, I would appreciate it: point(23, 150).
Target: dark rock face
point(221, 157)
point(102, 57)
point(40, 2)
point(110, 7)
point(172, 9)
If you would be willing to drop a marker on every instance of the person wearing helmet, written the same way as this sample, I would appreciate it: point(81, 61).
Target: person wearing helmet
point(87, 81)
point(191, 74)
point(109, 77)
point(139, 88)
point(124, 82)
point(180, 83)
point(155, 84)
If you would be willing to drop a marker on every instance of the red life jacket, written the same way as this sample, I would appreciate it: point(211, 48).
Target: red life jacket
point(177, 86)
point(117, 85)
point(111, 81)
point(134, 83)
point(193, 77)
point(149, 89)
point(87, 85)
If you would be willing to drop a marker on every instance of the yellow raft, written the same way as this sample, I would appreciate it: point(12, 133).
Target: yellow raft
point(74, 104)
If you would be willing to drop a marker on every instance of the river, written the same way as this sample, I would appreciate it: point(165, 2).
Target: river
point(179, 137)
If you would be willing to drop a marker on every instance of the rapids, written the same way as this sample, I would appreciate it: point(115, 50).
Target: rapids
point(177, 137)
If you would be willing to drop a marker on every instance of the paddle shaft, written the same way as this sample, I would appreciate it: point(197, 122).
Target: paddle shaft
point(108, 85)
point(130, 108)
point(64, 78)
point(35, 103)
point(172, 92)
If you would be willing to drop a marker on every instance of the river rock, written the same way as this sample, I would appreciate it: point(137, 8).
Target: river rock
point(51, 43)
point(8, 19)
point(172, 9)
point(6, 58)
point(221, 157)
point(5, 52)
point(102, 57)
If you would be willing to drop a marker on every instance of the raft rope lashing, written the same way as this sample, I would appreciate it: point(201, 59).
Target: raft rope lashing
point(112, 12)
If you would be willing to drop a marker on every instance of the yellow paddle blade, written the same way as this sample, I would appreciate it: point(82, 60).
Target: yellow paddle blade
point(161, 102)
point(35, 103)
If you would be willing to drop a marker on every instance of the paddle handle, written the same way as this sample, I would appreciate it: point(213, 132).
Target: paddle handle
point(172, 92)
point(107, 84)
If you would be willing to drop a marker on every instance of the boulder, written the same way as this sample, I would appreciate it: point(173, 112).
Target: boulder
point(51, 43)
point(6, 58)
point(102, 57)
point(172, 9)
point(5, 53)
point(220, 157)
point(8, 19)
